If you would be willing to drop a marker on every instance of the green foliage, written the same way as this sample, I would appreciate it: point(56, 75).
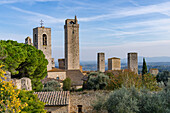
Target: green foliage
point(24, 61)
point(9, 101)
point(131, 100)
point(97, 81)
point(52, 86)
point(163, 77)
point(144, 68)
point(149, 82)
point(34, 104)
point(130, 79)
point(67, 84)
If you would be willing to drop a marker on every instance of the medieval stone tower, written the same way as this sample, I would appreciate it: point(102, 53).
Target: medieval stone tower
point(133, 62)
point(42, 41)
point(71, 29)
point(114, 63)
point(101, 62)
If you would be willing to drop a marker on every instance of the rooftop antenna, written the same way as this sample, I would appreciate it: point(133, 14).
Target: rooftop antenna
point(41, 23)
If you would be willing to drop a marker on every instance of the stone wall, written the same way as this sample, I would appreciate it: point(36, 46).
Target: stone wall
point(85, 98)
point(23, 83)
point(57, 109)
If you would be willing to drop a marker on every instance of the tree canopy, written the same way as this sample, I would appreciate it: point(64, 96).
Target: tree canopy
point(24, 60)
point(34, 105)
point(144, 68)
point(132, 100)
point(52, 86)
point(163, 77)
point(97, 81)
point(67, 84)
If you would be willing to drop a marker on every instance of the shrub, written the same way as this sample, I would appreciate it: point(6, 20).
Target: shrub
point(130, 79)
point(34, 104)
point(67, 84)
point(97, 81)
point(52, 86)
point(132, 100)
point(163, 77)
point(9, 101)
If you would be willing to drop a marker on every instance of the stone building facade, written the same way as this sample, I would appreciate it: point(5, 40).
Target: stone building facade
point(114, 63)
point(133, 62)
point(56, 73)
point(42, 41)
point(101, 62)
point(71, 29)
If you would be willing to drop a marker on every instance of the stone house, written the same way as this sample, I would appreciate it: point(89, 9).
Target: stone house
point(59, 74)
point(76, 77)
point(56, 101)
point(154, 71)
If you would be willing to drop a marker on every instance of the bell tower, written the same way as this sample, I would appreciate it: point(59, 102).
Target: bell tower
point(42, 41)
point(71, 29)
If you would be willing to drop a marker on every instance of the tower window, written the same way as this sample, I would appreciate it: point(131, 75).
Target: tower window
point(44, 39)
point(79, 108)
point(35, 38)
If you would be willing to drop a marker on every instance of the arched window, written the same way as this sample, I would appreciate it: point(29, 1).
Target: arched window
point(30, 41)
point(44, 39)
point(35, 38)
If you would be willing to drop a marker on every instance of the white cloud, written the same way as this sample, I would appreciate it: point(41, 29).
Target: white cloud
point(161, 8)
point(17, 1)
point(39, 16)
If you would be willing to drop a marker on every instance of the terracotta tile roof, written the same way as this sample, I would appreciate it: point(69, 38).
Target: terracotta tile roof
point(76, 77)
point(153, 69)
point(56, 70)
point(114, 58)
point(54, 98)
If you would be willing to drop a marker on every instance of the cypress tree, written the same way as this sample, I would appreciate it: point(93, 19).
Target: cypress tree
point(144, 68)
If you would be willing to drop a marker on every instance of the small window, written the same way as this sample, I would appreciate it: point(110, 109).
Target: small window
point(35, 38)
point(57, 78)
point(79, 108)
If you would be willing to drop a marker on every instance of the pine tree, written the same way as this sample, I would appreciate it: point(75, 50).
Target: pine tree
point(144, 68)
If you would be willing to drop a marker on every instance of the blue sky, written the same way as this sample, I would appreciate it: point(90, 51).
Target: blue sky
point(115, 27)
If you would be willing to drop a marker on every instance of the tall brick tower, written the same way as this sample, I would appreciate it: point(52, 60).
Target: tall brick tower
point(71, 29)
point(133, 62)
point(101, 62)
point(42, 41)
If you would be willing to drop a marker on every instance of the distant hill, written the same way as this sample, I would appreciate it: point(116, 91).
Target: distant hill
point(150, 59)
